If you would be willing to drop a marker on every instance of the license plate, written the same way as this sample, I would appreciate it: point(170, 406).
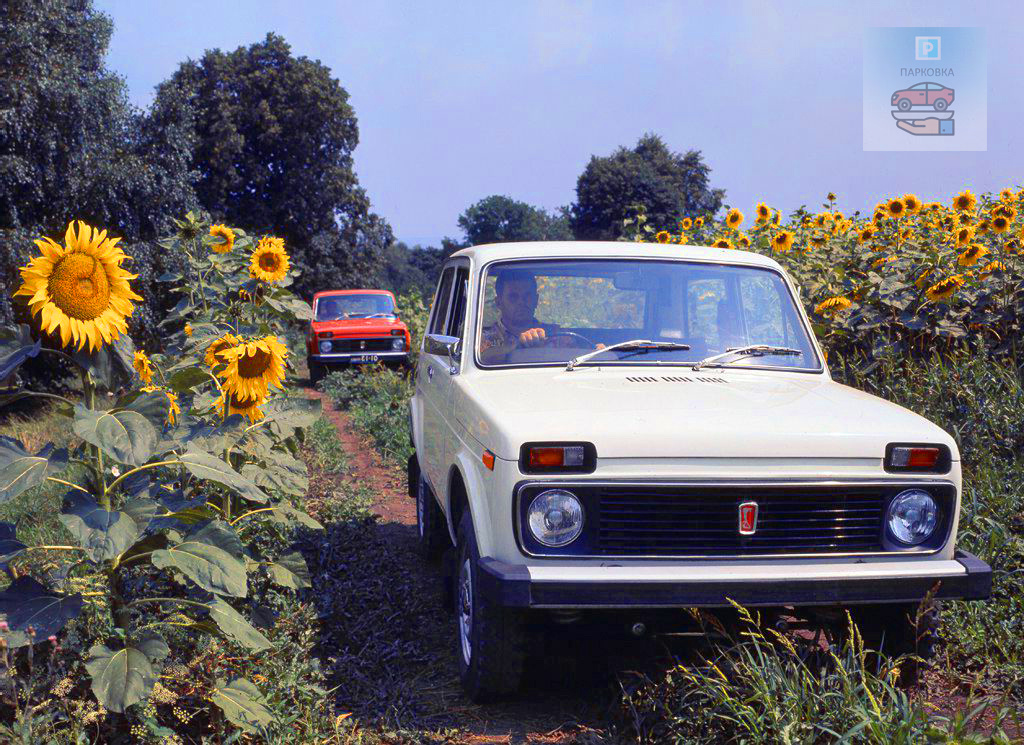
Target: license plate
point(362, 358)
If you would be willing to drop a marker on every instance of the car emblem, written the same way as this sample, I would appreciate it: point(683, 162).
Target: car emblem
point(362, 345)
point(748, 518)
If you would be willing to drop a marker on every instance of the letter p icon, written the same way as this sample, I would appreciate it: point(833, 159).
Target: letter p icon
point(928, 47)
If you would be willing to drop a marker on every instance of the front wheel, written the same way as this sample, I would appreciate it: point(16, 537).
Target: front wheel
point(491, 639)
point(317, 371)
point(431, 530)
point(940, 104)
point(902, 629)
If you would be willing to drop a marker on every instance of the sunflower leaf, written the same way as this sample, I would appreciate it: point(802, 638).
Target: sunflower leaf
point(235, 627)
point(208, 565)
point(242, 704)
point(290, 570)
point(16, 346)
point(102, 533)
point(285, 415)
point(20, 470)
point(26, 603)
point(120, 677)
point(207, 466)
point(126, 435)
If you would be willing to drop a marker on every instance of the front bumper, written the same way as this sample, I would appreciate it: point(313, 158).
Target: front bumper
point(346, 356)
point(965, 577)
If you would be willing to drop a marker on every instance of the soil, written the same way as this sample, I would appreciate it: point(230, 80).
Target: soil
point(389, 637)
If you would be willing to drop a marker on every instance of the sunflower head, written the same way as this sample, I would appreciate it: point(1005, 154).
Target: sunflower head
point(232, 403)
point(686, 223)
point(782, 241)
point(818, 240)
point(895, 208)
point(744, 240)
point(831, 196)
point(865, 234)
point(882, 261)
point(225, 236)
point(1000, 224)
point(253, 366)
point(912, 203)
point(269, 261)
point(763, 212)
point(832, 305)
point(1006, 210)
point(965, 201)
point(188, 330)
point(944, 288)
point(964, 236)
point(1008, 195)
point(698, 222)
point(734, 218)
point(79, 289)
point(990, 268)
point(971, 256)
point(214, 356)
point(143, 366)
point(662, 236)
point(722, 243)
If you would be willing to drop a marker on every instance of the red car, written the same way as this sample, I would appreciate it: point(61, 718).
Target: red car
point(939, 97)
point(352, 327)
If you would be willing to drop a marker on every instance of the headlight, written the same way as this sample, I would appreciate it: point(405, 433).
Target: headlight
point(912, 517)
point(555, 517)
point(326, 346)
point(398, 345)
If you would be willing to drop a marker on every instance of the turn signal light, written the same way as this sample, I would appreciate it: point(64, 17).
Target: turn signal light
point(549, 457)
point(488, 460)
point(326, 334)
point(927, 458)
point(556, 457)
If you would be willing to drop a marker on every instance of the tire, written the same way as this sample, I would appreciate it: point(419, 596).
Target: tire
point(909, 629)
point(317, 371)
point(431, 528)
point(490, 639)
point(903, 104)
point(940, 104)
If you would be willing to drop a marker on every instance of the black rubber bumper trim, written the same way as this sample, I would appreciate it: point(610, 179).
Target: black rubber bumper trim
point(510, 585)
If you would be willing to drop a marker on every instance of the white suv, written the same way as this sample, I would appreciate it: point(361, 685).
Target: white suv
point(603, 430)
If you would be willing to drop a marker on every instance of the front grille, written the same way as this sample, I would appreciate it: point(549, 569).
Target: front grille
point(673, 521)
point(353, 345)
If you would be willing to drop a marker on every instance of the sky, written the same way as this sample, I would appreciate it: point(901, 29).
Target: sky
point(460, 100)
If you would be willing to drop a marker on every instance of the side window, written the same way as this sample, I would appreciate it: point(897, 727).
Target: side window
point(458, 317)
point(444, 293)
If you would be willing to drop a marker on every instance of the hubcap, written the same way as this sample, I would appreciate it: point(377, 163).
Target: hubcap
point(466, 610)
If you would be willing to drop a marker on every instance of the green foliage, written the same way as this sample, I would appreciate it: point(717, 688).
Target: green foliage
point(413, 269)
point(273, 141)
point(668, 185)
point(378, 402)
point(500, 219)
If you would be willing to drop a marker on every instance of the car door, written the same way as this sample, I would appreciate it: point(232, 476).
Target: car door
point(431, 374)
point(456, 329)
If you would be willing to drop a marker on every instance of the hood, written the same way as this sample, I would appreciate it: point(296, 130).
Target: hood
point(676, 413)
point(358, 326)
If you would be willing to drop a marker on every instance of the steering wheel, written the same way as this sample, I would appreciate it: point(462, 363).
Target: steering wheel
point(586, 342)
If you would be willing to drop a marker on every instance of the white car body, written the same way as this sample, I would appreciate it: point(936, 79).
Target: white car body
point(732, 426)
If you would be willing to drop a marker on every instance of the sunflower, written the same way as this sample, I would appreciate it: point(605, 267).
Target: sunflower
point(269, 261)
point(984, 226)
point(734, 219)
point(686, 223)
point(913, 203)
point(215, 352)
point(763, 212)
point(970, 257)
point(253, 366)
point(965, 202)
point(882, 261)
point(698, 222)
point(964, 236)
point(1008, 195)
point(173, 410)
point(782, 241)
point(823, 220)
point(818, 240)
point(722, 243)
point(662, 237)
point(227, 238)
point(831, 196)
point(743, 239)
point(832, 305)
point(896, 208)
point(777, 217)
point(188, 330)
point(1000, 224)
point(922, 278)
point(232, 403)
point(878, 217)
point(992, 266)
point(143, 366)
point(80, 289)
point(945, 288)
point(865, 234)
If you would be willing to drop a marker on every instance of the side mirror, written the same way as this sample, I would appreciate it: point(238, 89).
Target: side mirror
point(445, 346)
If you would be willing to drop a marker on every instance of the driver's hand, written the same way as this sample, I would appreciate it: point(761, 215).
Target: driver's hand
point(599, 345)
point(532, 337)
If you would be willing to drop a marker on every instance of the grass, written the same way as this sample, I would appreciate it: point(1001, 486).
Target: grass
point(378, 404)
point(328, 454)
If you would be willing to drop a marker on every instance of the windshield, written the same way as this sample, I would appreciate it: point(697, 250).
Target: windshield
point(549, 312)
point(338, 307)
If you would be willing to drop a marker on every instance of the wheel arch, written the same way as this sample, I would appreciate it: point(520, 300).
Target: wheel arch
point(465, 492)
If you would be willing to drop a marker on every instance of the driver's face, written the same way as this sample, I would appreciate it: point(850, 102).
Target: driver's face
point(517, 301)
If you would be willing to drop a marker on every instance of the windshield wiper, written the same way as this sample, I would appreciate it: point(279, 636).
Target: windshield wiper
point(750, 350)
point(380, 315)
point(644, 344)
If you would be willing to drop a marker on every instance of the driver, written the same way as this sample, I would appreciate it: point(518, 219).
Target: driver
point(516, 299)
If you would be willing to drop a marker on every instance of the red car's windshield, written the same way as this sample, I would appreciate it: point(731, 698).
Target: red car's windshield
point(340, 307)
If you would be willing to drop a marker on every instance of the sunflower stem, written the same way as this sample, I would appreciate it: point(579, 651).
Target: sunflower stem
point(89, 388)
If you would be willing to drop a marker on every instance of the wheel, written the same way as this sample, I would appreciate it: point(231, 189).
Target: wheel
point(940, 105)
point(431, 529)
point(491, 639)
point(903, 104)
point(317, 371)
point(572, 334)
point(902, 629)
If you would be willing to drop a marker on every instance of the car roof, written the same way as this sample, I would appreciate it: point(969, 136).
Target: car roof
point(612, 249)
point(324, 293)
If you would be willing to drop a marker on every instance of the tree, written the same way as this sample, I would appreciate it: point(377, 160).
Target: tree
point(499, 219)
point(72, 146)
point(669, 185)
point(273, 141)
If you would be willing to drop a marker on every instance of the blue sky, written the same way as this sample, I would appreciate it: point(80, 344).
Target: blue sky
point(459, 100)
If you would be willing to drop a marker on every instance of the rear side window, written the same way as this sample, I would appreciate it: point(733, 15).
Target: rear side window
point(444, 293)
point(458, 316)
